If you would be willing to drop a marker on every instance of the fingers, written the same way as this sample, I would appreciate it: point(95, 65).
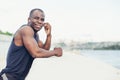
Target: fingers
point(47, 25)
point(57, 48)
point(47, 28)
point(58, 52)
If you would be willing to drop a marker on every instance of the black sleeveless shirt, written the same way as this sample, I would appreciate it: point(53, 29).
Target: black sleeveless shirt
point(19, 61)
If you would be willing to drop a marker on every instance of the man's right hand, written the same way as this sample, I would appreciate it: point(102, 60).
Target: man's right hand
point(58, 52)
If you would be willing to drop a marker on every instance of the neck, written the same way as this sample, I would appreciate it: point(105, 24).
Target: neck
point(32, 27)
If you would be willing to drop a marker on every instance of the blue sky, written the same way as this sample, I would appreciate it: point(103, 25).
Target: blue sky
point(82, 20)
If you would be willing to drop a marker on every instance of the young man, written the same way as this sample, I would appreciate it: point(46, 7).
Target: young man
point(26, 46)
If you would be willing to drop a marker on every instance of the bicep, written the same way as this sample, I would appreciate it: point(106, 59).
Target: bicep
point(29, 41)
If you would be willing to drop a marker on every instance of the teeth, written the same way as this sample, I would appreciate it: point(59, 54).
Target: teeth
point(38, 26)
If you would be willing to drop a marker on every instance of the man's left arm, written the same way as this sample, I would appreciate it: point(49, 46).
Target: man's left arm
point(47, 43)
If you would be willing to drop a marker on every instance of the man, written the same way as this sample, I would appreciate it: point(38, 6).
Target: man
point(26, 46)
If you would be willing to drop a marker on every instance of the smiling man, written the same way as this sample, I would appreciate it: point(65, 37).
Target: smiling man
point(26, 46)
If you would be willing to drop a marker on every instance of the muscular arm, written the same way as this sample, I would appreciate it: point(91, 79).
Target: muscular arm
point(47, 28)
point(31, 45)
point(47, 43)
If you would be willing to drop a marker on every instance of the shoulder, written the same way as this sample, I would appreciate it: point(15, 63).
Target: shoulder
point(26, 30)
point(22, 33)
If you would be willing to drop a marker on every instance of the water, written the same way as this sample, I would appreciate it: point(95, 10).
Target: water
point(111, 57)
point(4, 45)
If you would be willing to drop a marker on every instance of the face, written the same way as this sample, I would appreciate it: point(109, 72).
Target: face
point(36, 21)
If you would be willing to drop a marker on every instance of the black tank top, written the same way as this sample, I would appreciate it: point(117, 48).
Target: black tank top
point(19, 61)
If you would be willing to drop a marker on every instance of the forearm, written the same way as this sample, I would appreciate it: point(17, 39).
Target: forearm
point(42, 53)
point(47, 42)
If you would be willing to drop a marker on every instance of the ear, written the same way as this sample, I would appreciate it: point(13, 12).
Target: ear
point(29, 20)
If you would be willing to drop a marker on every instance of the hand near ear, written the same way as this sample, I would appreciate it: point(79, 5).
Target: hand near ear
point(47, 28)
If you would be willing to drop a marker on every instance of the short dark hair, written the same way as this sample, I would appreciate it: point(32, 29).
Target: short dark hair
point(31, 12)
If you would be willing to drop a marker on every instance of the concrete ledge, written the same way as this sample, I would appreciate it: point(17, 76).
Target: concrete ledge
point(72, 67)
